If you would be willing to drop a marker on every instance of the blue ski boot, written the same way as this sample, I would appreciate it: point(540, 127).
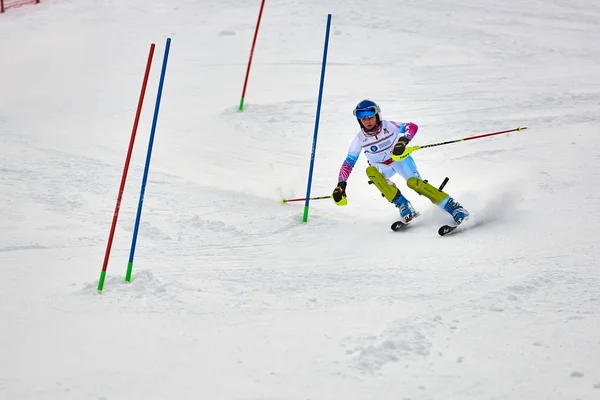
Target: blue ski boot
point(407, 212)
point(456, 210)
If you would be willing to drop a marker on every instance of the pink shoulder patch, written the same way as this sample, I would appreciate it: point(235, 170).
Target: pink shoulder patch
point(411, 130)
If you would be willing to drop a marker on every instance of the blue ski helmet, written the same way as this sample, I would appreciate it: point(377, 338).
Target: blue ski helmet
point(367, 108)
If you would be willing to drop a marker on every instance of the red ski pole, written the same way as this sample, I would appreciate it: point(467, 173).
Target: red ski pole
point(410, 149)
point(304, 198)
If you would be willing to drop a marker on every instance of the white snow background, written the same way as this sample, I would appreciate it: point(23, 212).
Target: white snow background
point(232, 296)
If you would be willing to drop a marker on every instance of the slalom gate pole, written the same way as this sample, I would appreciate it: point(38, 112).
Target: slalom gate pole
point(148, 157)
point(314, 145)
point(125, 169)
point(304, 198)
point(410, 149)
point(262, 5)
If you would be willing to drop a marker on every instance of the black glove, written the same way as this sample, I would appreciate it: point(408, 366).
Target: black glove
point(400, 146)
point(339, 192)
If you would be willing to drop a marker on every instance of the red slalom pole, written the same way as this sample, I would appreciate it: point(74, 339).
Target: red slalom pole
point(126, 169)
point(262, 5)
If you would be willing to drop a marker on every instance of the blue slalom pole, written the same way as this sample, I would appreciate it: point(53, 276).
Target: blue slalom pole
point(314, 145)
point(148, 156)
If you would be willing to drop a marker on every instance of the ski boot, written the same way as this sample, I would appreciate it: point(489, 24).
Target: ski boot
point(407, 212)
point(458, 212)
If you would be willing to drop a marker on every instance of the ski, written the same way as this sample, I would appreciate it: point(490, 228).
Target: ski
point(400, 225)
point(446, 229)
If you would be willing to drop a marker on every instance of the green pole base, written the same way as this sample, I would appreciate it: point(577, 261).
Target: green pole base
point(101, 282)
point(128, 275)
point(305, 216)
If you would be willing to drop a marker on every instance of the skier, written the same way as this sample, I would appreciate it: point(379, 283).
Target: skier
point(380, 139)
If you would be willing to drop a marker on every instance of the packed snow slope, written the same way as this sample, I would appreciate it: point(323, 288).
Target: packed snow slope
point(232, 296)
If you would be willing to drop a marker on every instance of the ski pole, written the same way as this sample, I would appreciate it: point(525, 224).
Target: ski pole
point(304, 198)
point(410, 149)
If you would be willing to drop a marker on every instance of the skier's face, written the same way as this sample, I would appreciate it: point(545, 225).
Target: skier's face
point(369, 122)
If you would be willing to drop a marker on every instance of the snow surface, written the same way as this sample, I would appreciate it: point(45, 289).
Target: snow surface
point(232, 296)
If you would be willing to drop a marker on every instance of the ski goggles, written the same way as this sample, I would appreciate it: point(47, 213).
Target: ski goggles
point(363, 113)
